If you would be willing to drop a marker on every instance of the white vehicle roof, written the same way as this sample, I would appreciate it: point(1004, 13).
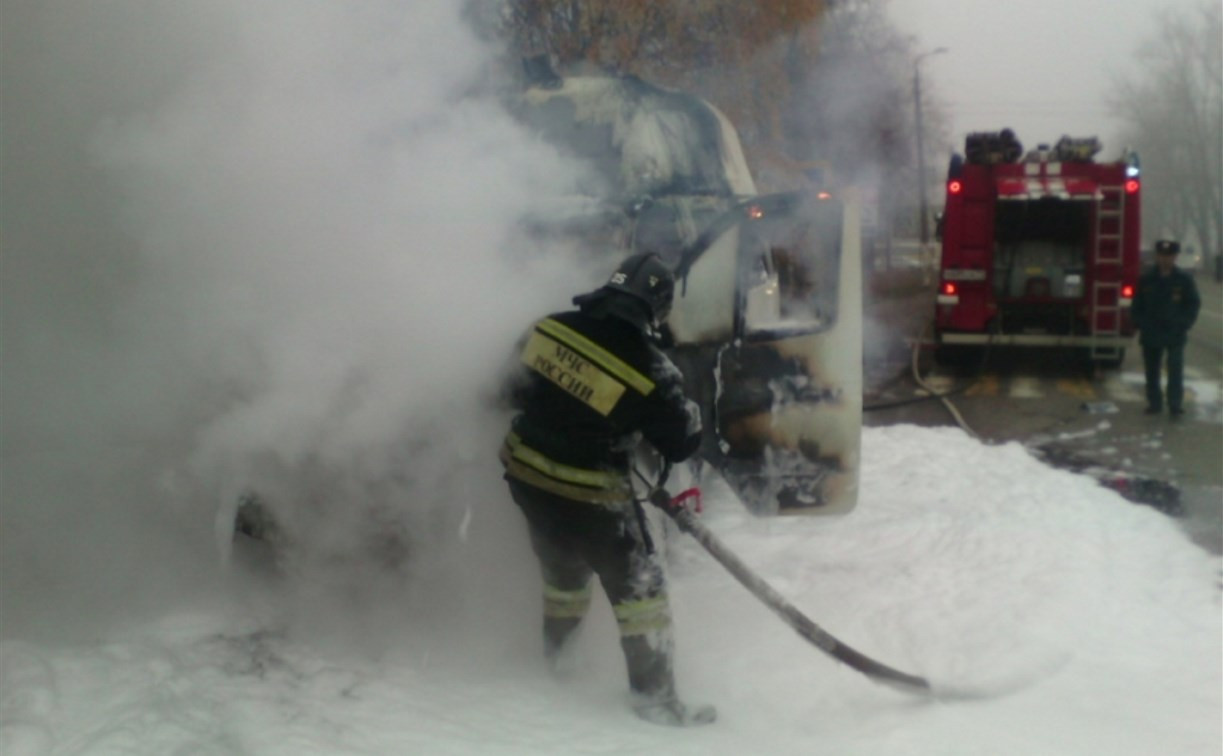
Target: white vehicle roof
point(663, 139)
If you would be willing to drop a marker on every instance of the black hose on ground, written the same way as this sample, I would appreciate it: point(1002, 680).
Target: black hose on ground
point(933, 395)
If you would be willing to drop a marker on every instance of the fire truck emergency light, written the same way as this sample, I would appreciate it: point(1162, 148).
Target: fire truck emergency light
point(954, 187)
point(1131, 186)
point(1133, 166)
point(948, 289)
point(1127, 292)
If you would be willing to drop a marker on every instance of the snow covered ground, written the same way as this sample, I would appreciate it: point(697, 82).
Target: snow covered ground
point(1052, 616)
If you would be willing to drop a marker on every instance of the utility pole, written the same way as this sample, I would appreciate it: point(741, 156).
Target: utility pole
point(921, 145)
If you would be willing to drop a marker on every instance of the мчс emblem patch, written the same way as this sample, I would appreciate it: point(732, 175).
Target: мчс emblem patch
point(573, 373)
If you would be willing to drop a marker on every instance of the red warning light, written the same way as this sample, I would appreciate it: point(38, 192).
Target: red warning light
point(948, 289)
point(954, 187)
point(1127, 292)
point(1131, 186)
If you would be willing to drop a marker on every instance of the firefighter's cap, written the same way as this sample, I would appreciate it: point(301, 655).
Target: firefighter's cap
point(1167, 247)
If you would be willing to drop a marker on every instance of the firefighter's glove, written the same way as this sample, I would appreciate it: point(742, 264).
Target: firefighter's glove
point(673, 505)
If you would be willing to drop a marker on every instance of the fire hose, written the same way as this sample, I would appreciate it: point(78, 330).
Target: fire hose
point(685, 518)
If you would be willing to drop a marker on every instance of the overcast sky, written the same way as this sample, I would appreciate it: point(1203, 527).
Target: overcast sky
point(1042, 67)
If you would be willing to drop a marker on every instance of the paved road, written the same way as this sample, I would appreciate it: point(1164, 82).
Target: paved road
point(1057, 405)
point(1206, 338)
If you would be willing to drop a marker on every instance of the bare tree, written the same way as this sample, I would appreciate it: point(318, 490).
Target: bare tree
point(1173, 110)
point(854, 113)
point(804, 81)
point(745, 57)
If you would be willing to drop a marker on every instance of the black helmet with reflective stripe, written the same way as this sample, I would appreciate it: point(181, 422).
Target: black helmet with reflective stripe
point(647, 286)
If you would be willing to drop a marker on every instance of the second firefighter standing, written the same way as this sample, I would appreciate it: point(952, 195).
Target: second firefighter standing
point(590, 384)
point(1165, 307)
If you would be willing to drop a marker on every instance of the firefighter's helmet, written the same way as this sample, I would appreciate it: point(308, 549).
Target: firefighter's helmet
point(641, 291)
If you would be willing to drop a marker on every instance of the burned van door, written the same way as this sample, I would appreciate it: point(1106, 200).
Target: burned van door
point(787, 410)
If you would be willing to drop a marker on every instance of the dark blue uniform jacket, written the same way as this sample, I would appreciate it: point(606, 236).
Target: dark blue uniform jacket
point(1165, 307)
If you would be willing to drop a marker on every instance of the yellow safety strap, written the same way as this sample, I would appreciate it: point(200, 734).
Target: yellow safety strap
point(562, 604)
point(606, 360)
point(593, 486)
point(641, 616)
point(583, 477)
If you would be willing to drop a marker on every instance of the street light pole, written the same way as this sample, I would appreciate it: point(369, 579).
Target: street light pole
point(921, 145)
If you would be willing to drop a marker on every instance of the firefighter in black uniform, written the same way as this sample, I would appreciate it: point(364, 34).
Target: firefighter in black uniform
point(1165, 307)
point(589, 385)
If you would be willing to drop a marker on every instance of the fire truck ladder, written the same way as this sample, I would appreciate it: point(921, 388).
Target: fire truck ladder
point(1106, 294)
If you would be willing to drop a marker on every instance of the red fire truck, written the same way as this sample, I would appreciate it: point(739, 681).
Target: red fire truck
point(1039, 249)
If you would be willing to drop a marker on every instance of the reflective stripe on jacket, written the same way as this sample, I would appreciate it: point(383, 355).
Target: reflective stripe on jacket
point(534, 468)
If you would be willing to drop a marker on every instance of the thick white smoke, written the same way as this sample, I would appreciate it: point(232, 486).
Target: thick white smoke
point(265, 245)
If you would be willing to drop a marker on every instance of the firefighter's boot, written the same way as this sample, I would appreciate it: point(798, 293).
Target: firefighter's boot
point(675, 714)
point(645, 636)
